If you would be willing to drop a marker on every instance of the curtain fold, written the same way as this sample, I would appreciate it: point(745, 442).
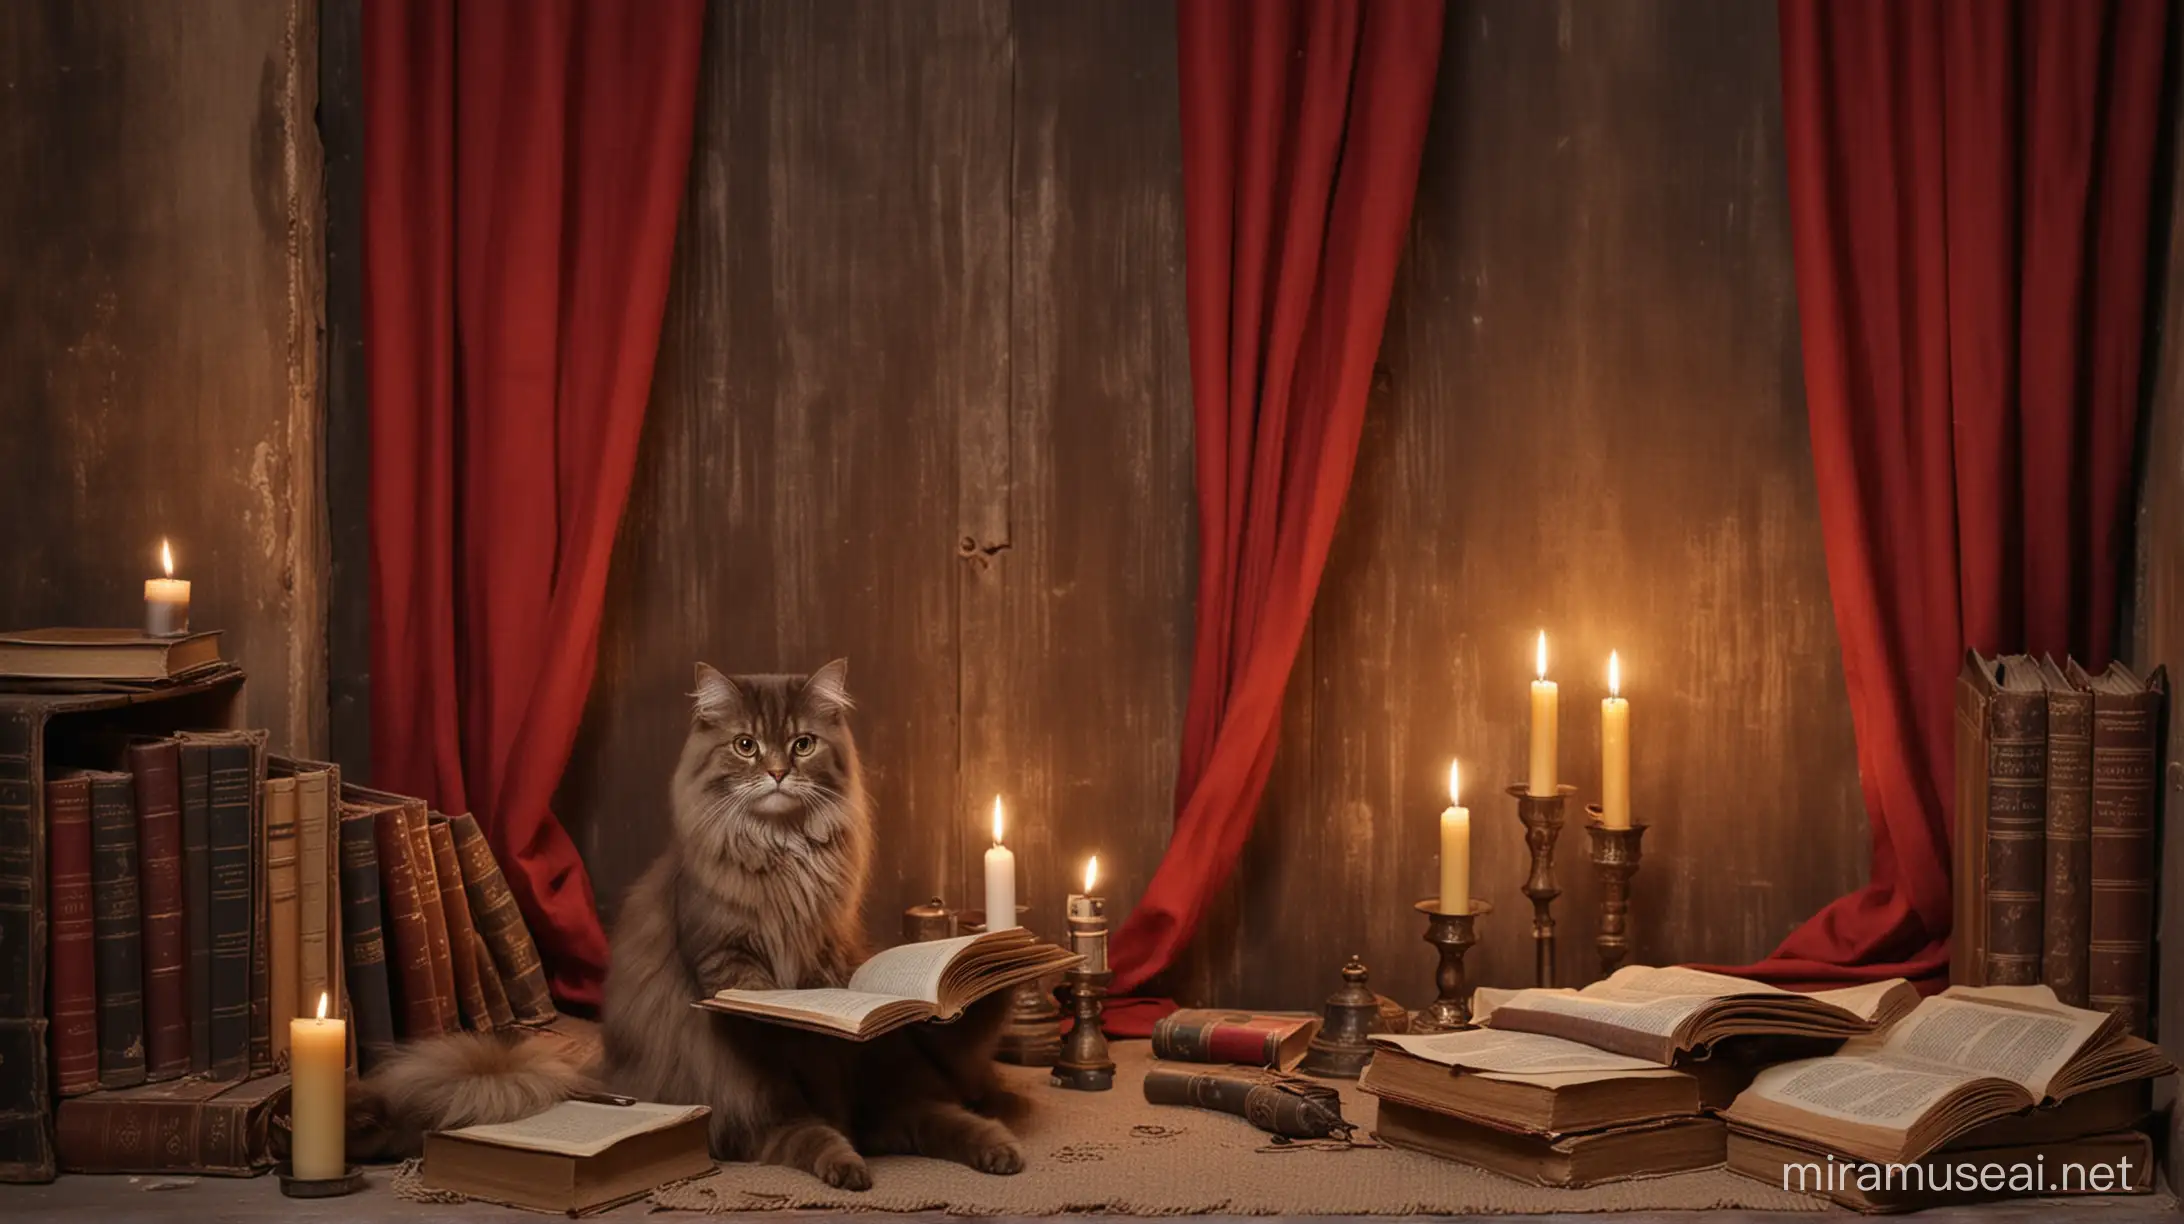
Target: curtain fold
point(1970, 184)
point(1303, 122)
point(524, 166)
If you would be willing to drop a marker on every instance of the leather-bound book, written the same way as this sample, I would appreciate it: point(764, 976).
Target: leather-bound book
point(2126, 736)
point(2009, 717)
point(2066, 898)
point(196, 761)
point(232, 790)
point(117, 918)
point(156, 764)
point(462, 937)
point(183, 1126)
point(489, 983)
point(417, 1003)
point(285, 920)
point(418, 819)
point(493, 910)
point(364, 953)
point(1968, 844)
point(73, 977)
point(317, 864)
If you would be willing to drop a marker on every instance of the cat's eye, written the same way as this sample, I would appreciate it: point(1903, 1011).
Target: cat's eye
point(803, 745)
point(745, 746)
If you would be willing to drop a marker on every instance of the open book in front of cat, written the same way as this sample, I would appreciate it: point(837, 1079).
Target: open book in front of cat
point(1962, 1059)
point(904, 985)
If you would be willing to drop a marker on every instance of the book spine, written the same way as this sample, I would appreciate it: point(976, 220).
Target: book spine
point(286, 950)
point(364, 953)
point(1214, 1042)
point(74, 978)
point(26, 1143)
point(2016, 836)
point(489, 984)
point(117, 920)
point(1968, 853)
point(493, 910)
point(462, 936)
point(120, 1134)
point(2066, 902)
point(197, 897)
point(314, 967)
point(228, 823)
point(261, 922)
point(405, 918)
point(157, 767)
point(2120, 963)
point(423, 865)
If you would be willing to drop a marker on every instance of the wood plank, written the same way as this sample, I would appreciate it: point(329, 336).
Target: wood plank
point(160, 206)
point(348, 413)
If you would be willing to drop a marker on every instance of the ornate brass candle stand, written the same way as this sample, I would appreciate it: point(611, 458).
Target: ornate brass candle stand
point(1615, 861)
point(1084, 1063)
point(1452, 934)
point(1542, 817)
point(1340, 1049)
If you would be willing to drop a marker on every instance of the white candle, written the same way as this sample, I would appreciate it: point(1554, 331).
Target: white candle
point(1545, 714)
point(318, 1114)
point(1455, 852)
point(166, 600)
point(1000, 879)
point(1088, 921)
point(1615, 751)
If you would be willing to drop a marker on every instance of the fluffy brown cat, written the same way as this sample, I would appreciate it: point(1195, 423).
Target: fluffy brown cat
point(760, 887)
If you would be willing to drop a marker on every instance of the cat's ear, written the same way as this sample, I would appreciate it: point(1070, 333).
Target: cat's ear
point(716, 695)
point(829, 687)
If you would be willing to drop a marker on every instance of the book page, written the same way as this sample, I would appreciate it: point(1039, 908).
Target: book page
point(1655, 1016)
point(1864, 1090)
point(2022, 1044)
point(1514, 1053)
point(1636, 982)
point(850, 1007)
point(911, 971)
point(1863, 1001)
point(581, 1128)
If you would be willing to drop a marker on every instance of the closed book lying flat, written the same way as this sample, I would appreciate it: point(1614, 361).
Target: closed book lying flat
point(2119, 1162)
point(182, 1126)
point(934, 980)
point(573, 1159)
point(1585, 1158)
point(1533, 1083)
point(1211, 1035)
point(104, 654)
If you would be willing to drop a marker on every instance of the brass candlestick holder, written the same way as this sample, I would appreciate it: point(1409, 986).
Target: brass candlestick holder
point(1350, 1016)
point(1542, 817)
point(1084, 1063)
point(1615, 860)
point(1452, 934)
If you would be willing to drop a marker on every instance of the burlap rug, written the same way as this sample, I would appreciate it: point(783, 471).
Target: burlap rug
point(1110, 1151)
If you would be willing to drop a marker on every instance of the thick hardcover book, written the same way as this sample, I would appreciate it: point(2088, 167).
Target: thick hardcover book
point(74, 978)
point(417, 818)
point(230, 804)
point(462, 936)
point(157, 766)
point(185, 1126)
point(196, 760)
point(493, 911)
point(1584, 1158)
point(2001, 831)
point(106, 654)
point(1211, 1035)
point(1657, 1014)
point(489, 982)
point(416, 999)
point(574, 1159)
point(316, 867)
point(363, 950)
point(2126, 737)
point(117, 918)
point(286, 960)
point(2066, 899)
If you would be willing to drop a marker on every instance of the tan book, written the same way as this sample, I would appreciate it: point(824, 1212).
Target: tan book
point(284, 917)
point(317, 890)
point(105, 654)
point(934, 980)
point(423, 862)
point(2118, 1162)
point(1528, 1082)
point(574, 1159)
point(1587, 1158)
point(1965, 1058)
point(1657, 1014)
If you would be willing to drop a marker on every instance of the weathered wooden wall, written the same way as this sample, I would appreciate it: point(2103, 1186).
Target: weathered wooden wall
point(160, 202)
point(924, 401)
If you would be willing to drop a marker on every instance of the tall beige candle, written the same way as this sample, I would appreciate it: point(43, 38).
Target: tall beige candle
point(1455, 851)
point(1546, 710)
point(317, 1049)
point(1615, 751)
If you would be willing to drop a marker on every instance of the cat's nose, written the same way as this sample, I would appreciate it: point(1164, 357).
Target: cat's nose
point(779, 774)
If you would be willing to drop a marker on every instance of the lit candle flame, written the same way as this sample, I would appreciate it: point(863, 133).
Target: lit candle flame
point(1615, 676)
point(1543, 654)
point(997, 820)
point(1453, 801)
point(1091, 873)
point(322, 1005)
point(166, 558)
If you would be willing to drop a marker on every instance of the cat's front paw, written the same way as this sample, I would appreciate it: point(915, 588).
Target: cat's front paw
point(1001, 1158)
point(844, 1171)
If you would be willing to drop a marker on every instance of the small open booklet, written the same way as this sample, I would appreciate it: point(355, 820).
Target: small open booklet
point(1964, 1058)
point(935, 980)
point(1656, 1014)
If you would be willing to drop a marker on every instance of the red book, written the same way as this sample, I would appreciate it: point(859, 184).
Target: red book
point(157, 767)
point(1211, 1035)
point(74, 973)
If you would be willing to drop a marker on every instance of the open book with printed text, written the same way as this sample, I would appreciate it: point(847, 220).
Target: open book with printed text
point(935, 980)
point(1657, 1014)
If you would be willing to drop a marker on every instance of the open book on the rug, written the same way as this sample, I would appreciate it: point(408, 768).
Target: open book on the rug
point(935, 980)
point(1965, 1057)
point(1656, 1014)
point(1534, 1083)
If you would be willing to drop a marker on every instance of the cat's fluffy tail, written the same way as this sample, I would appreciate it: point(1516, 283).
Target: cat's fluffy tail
point(461, 1079)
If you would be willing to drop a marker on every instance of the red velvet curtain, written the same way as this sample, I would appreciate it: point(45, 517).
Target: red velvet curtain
point(524, 163)
point(1970, 184)
point(1302, 126)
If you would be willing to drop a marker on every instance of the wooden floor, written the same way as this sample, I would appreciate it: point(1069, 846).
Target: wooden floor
point(141, 1200)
